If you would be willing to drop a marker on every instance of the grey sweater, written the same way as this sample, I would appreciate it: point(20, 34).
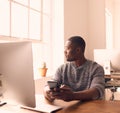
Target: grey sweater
point(86, 76)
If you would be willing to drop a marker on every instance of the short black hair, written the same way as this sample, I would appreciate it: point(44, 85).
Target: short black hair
point(78, 41)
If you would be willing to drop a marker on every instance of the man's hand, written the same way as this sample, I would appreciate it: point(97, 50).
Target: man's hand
point(47, 94)
point(64, 93)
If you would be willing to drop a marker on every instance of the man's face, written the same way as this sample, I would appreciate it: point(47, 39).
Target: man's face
point(70, 51)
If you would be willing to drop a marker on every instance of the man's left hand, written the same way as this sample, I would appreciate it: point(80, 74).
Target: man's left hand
point(64, 93)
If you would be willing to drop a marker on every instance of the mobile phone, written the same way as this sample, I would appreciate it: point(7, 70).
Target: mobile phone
point(53, 84)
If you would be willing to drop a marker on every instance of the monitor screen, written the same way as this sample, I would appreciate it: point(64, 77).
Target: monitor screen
point(115, 61)
point(16, 71)
point(109, 59)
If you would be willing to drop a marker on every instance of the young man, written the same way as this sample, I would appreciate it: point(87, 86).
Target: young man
point(80, 78)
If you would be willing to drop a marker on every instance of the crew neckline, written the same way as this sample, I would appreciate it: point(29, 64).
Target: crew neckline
point(73, 64)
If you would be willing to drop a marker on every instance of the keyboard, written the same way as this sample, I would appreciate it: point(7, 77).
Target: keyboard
point(42, 106)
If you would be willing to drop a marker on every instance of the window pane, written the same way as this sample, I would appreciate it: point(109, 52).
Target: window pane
point(47, 6)
point(36, 4)
point(25, 2)
point(4, 17)
point(46, 28)
point(35, 23)
point(19, 21)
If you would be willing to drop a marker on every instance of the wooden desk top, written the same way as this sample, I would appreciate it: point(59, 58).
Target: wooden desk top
point(97, 106)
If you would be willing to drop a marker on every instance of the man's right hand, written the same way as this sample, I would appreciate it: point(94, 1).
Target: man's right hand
point(47, 94)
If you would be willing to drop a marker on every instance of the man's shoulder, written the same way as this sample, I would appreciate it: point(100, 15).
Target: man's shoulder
point(94, 64)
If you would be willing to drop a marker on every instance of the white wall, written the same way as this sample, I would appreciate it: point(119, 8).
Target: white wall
point(75, 18)
point(109, 4)
point(96, 26)
point(85, 18)
point(117, 24)
point(114, 8)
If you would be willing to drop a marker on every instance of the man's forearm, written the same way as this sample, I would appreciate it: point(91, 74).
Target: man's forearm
point(89, 94)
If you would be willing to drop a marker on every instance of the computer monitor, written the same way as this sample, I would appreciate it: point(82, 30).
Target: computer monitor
point(115, 61)
point(109, 59)
point(16, 71)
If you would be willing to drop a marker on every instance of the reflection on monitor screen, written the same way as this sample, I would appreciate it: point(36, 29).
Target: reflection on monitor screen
point(115, 61)
point(16, 69)
point(109, 59)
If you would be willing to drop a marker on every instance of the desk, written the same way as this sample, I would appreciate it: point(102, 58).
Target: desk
point(112, 76)
point(97, 106)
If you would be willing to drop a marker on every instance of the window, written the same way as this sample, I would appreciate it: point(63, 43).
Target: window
point(26, 18)
point(4, 18)
point(40, 21)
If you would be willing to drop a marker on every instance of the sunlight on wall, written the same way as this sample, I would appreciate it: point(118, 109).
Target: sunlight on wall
point(58, 34)
point(52, 51)
point(109, 30)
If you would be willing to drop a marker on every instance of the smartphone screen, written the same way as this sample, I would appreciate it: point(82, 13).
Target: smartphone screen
point(53, 84)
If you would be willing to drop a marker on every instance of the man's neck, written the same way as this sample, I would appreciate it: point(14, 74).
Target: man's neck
point(80, 62)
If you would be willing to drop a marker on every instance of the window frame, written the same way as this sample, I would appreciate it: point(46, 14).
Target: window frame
point(42, 13)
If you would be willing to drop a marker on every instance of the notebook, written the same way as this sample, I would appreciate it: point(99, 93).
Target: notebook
point(43, 106)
